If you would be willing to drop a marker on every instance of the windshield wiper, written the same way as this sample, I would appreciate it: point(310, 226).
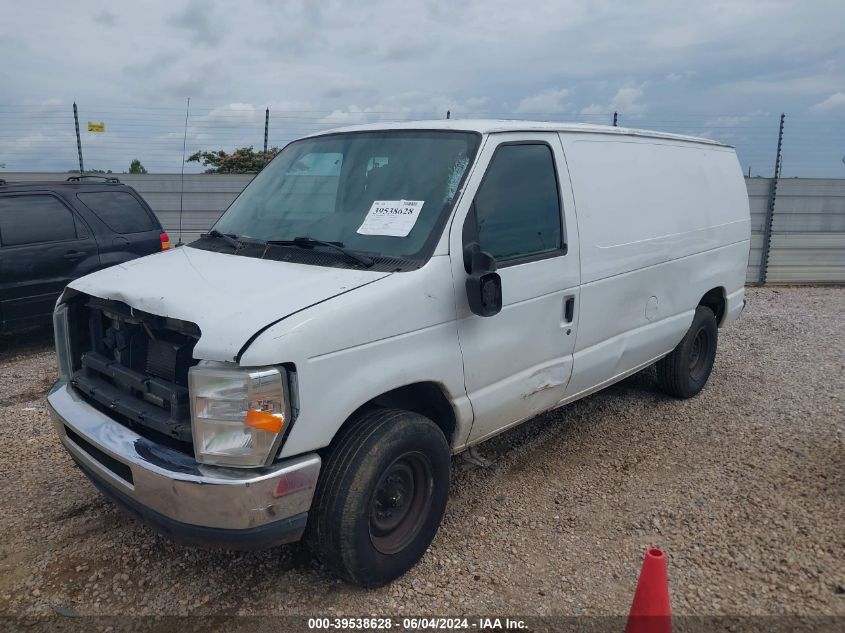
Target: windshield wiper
point(310, 242)
point(231, 240)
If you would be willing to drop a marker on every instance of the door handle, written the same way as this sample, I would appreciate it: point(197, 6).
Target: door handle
point(74, 255)
point(569, 309)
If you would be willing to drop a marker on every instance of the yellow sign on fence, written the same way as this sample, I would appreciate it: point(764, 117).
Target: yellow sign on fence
point(96, 127)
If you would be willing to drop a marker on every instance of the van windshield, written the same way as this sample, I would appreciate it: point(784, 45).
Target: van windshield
point(383, 193)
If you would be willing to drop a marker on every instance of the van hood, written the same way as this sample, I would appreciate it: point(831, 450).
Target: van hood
point(229, 297)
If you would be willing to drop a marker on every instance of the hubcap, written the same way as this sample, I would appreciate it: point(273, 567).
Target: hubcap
point(400, 502)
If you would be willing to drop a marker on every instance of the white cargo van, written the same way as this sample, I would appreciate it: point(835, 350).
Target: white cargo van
point(379, 298)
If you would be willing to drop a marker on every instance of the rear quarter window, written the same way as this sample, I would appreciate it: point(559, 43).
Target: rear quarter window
point(33, 219)
point(120, 211)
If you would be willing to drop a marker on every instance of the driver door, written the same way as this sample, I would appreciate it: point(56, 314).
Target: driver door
point(518, 362)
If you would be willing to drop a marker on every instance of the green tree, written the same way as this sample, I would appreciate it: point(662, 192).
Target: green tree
point(244, 160)
point(135, 167)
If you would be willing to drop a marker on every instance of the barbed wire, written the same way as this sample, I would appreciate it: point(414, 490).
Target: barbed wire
point(42, 137)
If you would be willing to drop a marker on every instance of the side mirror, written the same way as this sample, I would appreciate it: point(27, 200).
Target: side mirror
point(484, 285)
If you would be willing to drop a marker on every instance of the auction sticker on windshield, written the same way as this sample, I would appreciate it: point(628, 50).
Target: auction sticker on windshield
point(391, 217)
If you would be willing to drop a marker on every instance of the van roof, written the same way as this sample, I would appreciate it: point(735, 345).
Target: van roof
point(490, 126)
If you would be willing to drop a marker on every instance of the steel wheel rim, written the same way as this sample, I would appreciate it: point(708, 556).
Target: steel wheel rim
point(401, 502)
point(699, 354)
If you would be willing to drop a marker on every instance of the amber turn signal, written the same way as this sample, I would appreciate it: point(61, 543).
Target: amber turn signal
point(264, 420)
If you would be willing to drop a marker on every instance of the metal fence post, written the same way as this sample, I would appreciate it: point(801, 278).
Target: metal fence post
point(770, 212)
point(266, 130)
point(78, 140)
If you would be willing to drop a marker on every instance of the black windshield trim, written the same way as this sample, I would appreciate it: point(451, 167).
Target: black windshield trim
point(311, 257)
point(309, 242)
point(418, 259)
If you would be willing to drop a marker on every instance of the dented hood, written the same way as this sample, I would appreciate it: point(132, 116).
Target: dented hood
point(229, 297)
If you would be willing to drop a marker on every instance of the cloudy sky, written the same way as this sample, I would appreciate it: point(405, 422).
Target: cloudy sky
point(720, 69)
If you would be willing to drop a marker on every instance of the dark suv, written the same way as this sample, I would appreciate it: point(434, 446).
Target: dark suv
point(54, 232)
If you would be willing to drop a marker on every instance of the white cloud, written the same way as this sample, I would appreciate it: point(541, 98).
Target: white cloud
point(626, 102)
point(233, 113)
point(595, 109)
point(549, 101)
point(349, 116)
point(408, 105)
point(836, 101)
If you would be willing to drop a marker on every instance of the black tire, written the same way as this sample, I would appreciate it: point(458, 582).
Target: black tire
point(684, 372)
point(381, 496)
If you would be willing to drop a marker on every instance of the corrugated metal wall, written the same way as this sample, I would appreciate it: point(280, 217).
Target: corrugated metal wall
point(758, 201)
point(808, 230)
point(204, 199)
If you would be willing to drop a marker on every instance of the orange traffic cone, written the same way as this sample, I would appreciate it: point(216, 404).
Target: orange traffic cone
point(650, 611)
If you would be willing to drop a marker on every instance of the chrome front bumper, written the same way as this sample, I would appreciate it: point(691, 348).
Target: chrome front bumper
point(192, 502)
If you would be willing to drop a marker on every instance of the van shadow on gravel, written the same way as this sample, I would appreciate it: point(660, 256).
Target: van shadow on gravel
point(24, 342)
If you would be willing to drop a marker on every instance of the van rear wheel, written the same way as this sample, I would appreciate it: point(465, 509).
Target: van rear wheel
point(381, 496)
point(684, 372)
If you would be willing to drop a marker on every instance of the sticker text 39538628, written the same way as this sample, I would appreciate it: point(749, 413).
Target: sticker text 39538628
point(391, 217)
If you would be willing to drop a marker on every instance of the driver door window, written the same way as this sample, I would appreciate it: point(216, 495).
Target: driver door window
point(517, 205)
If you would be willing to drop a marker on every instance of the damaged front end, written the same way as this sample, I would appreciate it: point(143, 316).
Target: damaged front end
point(122, 410)
point(129, 364)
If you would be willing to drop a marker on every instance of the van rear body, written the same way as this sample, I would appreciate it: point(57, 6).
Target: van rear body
point(380, 297)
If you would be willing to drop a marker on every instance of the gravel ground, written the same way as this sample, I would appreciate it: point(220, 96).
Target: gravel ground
point(743, 487)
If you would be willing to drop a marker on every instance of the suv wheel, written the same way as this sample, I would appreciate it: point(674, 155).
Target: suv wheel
point(684, 372)
point(381, 496)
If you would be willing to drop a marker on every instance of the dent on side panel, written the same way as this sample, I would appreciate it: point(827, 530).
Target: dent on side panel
point(542, 386)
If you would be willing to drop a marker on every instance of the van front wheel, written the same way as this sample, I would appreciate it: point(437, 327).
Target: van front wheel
point(381, 496)
point(684, 372)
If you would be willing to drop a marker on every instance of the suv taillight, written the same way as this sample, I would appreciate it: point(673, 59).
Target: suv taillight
point(165, 241)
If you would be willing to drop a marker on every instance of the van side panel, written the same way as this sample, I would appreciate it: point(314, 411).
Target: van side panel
point(643, 201)
point(661, 223)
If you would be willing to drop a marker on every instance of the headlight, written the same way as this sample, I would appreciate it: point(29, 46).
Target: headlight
point(237, 414)
point(61, 335)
